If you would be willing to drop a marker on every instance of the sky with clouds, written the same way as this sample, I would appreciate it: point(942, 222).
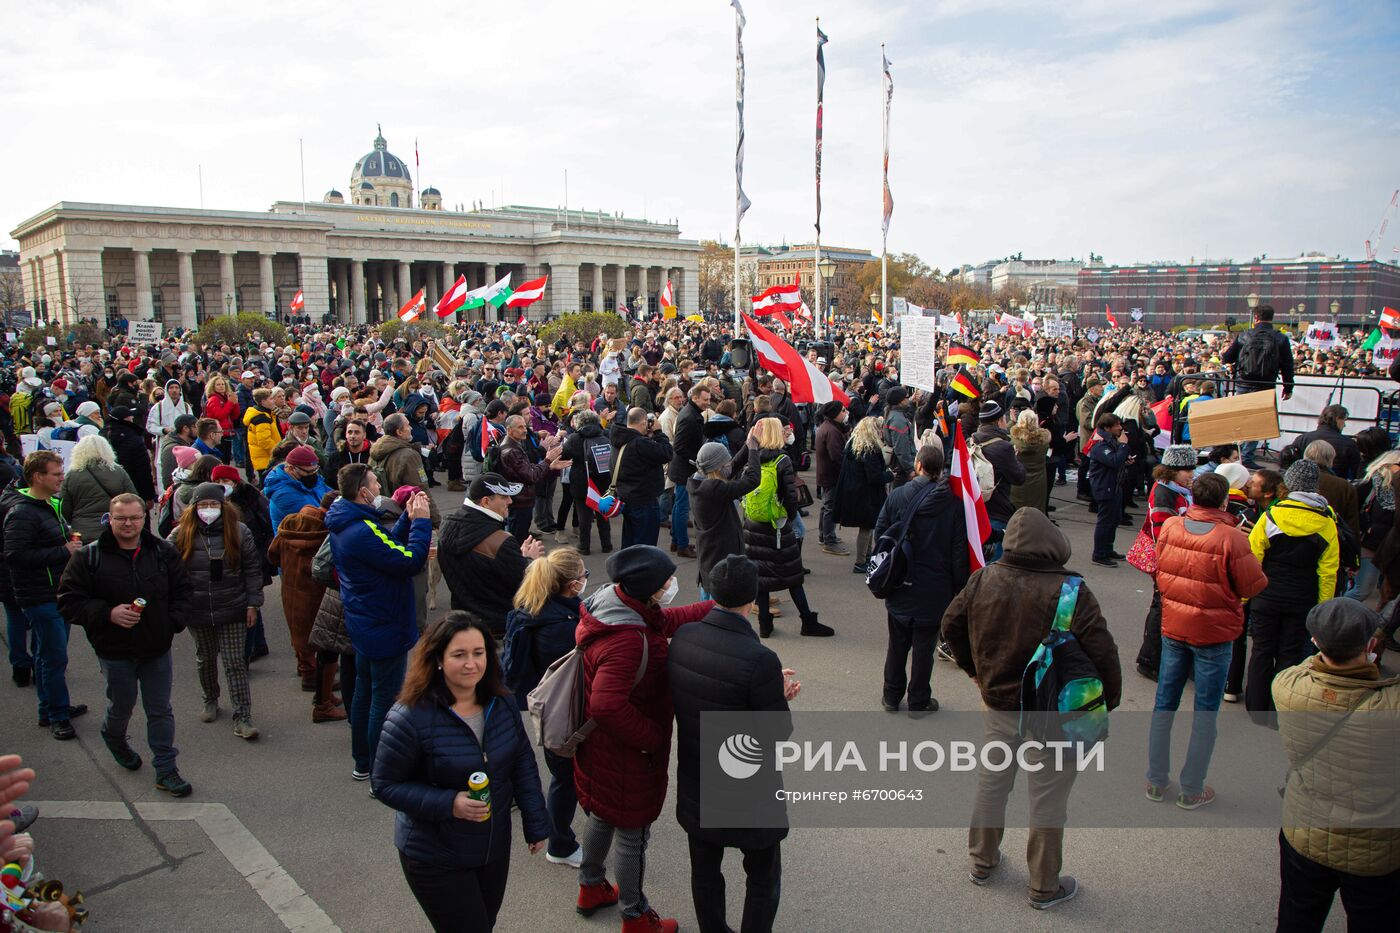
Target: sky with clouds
point(1138, 131)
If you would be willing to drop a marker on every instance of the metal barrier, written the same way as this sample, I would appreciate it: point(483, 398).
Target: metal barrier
point(1369, 401)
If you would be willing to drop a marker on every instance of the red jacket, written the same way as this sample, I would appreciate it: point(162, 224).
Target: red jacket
point(1205, 569)
point(223, 410)
point(620, 769)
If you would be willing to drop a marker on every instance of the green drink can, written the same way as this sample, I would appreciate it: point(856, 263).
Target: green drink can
point(479, 788)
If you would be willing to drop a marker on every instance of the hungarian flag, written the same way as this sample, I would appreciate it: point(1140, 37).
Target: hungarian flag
point(453, 298)
point(963, 383)
point(962, 480)
point(1390, 318)
point(806, 382)
point(494, 295)
point(961, 355)
point(298, 301)
point(528, 293)
point(413, 307)
point(606, 506)
point(778, 298)
point(1108, 313)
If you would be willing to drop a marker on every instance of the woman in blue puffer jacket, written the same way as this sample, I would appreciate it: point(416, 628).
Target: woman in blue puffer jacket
point(454, 717)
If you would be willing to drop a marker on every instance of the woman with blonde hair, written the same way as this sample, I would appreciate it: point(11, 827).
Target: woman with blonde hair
point(539, 631)
point(221, 404)
point(862, 484)
point(92, 479)
point(1031, 443)
point(1376, 493)
point(226, 581)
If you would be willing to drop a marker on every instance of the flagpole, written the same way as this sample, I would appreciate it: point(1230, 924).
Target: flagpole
point(817, 252)
point(741, 203)
point(886, 201)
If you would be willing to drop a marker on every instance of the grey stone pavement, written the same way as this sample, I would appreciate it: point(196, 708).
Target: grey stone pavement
point(277, 836)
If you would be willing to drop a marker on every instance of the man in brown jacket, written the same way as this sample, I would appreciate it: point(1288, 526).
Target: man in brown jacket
point(993, 628)
point(831, 442)
point(396, 462)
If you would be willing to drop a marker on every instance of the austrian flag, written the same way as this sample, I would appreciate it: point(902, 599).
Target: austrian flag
point(298, 301)
point(413, 307)
point(454, 297)
point(787, 298)
point(528, 293)
point(807, 383)
point(606, 506)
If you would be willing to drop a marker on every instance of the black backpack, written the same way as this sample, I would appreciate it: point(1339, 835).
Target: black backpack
point(1259, 357)
point(892, 554)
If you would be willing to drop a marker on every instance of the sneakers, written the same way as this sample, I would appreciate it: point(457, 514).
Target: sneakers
point(22, 676)
point(1155, 792)
point(861, 568)
point(74, 712)
point(359, 775)
point(836, 548)
point(122, 751)
point(1232, 697)
point(1105, 561)
point(561, 537)
point(245, 729)
point(62, 730)
point(1196, 801)
point(944, 653)
point(573, 860)
point(594, 897)
point(211, 712)
point(1068, 889)
point(173, 784)
point(649, 922)
point(981, 878)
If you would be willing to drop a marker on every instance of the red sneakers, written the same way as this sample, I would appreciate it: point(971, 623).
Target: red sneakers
point(594, 897)
point(649, 922)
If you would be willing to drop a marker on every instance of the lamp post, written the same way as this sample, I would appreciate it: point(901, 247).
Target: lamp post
point(826, 269)
point(1252, 300)
point(228, 304)
point(1335, 307)
point(875, 307)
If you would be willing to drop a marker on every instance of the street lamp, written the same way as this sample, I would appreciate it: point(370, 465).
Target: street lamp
point(1335, 306)
point(826, 269)
point(228, 304)
point(875, 306)
point(1252, 300)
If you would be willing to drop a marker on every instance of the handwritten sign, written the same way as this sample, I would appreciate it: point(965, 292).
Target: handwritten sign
point(918, 352)
point(146, 331)
point(947, 324)
point(1321, 336)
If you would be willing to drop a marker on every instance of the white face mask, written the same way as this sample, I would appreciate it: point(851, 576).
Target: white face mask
point(789, 438)
point(228, 489)
point(379, 503)
point(582, 585)
point(208, 515)
point(670, 592)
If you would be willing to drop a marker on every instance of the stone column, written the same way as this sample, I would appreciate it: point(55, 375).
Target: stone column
point(489, 277)
point(643, 287)
point(597, 286)
point(688, 296)
point(431, 286)
point(405, 289)
point(184, 261)
point(449, 279)
point(357, 292)
point(342, 292)
point(226, 283)
point(389, 295)
point(145, 309)
point(314, 278)
point(265, 280)
point(563, 292)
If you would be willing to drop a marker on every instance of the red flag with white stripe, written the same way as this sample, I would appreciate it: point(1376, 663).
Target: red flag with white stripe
point(962, 479)
point(455, 297)
point(413, 307)
point(778, 298)
point(668, 296)
point(1390, 319)
point(528, 293)
point(804, 313)
point(807, 383)
point(298, 301)
point(606, 506)
point(1108, 313)
point(488, 434)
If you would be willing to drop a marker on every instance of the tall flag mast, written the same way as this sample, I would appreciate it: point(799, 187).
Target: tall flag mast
point(741, 201)
point(889, 201)
point(817, 267)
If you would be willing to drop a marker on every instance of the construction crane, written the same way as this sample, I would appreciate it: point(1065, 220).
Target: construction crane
point(1373, 242)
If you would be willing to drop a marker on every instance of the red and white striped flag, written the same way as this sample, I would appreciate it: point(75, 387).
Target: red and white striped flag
point(488, 435)
point(1108, 313)
point(1390, 319)
point(804, 313)
point(527, 294)
point(455, 297)
point(298, 301)
point(807, 383)
point(778, 298)
point(413, 307)
point(668, 296)
point(606, 506)
point(962, 479)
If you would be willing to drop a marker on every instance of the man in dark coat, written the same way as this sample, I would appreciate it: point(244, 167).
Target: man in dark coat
point(1107, 454)
point(831, 442)
point(129, 443)
point(481, 561)
point(1007, 468)
point(516, 466)
point(685, 444)
point(1261, 356)
point(719, 665)
point(1330, 425)
point(938, 538)
point(714, 492)
point(640, 452)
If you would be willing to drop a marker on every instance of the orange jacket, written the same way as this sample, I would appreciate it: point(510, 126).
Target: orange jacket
point(1205, 569)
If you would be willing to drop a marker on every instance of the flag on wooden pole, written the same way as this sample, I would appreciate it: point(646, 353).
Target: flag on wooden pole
point(298, 301)
point(962, 479)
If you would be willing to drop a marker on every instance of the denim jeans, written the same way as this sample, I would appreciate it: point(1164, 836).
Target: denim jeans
point(518, 523)
point(641, 523)
point(50, 660)
point(1247, 451)
point(151, 677)
point(1106, 524)
point(377, 682)
point(560, 802)
point(799, 527)
point(23, 643)
point(1363, 586)
point(1211, 663)
point(680, 517)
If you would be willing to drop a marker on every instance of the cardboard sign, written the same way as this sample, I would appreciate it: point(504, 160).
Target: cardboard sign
point(900, 307)
point(1137, 315)
point(1321, 336)
point(145, 331)
point(1250, 416)
point(51, 341)
point(998, 329)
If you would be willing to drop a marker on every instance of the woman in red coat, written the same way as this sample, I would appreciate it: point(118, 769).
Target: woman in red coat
point(221, 404)
point(620, 769)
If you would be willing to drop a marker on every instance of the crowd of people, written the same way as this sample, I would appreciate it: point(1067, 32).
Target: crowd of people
point(173, 483)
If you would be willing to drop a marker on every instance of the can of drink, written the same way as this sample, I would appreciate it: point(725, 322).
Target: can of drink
point(76, 536)
point(138, 605)
point(479, 788)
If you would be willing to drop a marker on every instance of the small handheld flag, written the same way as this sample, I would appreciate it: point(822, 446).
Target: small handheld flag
point(488, 435)
point(960, 355)
point(413, 307)
point(1390, 319)
point(606, 506)
point(298, 301)
point(963, 383)
point(1108, 313)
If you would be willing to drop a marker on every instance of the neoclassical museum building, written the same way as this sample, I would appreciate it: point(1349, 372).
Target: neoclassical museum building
point(356, 259)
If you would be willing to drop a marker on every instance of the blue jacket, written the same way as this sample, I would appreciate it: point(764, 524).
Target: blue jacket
point(419, 426)
point(286, 494)
point(426, 753)
point(376, 570)
point(205, 450)
point(534, 642)
point(1107, 455)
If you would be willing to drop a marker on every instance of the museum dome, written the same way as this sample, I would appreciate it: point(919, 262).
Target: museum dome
point(380, 162)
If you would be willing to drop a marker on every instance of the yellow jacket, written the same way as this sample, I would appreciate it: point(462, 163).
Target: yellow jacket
point(263, 435)
point(1286, 541)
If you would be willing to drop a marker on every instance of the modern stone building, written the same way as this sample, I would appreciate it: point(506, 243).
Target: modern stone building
point(355, 262)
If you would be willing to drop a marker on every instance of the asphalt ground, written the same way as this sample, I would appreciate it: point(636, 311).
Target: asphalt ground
point(296, 822)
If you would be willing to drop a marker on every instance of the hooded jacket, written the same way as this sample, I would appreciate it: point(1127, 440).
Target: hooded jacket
point(299, 537)
point(220, 594)
point(1296, 542)
point(422, 428)
point(620, 771)
point(1006, 468)
point(778, 552)
point(161, 418)
point(399, 463)
point(93, 584)
point(263, 434)
point(997, 622)
point(1205, 570)
point(1107, 456)
point(642, 477)
point(286, 494)
point(130, 447)
point(719, 530)
point(35, 536)
point(938, 538)
point(483, 569)
point(584, 448)
point(376, 569)
point(533, 642)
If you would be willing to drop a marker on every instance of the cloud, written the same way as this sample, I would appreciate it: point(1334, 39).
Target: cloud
point(1139, 131)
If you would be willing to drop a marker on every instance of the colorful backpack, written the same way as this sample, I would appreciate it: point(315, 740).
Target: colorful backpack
point(1061, 691)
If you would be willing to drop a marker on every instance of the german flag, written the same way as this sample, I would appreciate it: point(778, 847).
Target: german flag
point(960, 355)
point(963, 383)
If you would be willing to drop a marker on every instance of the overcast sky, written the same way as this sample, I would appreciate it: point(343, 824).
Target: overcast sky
point(1139, 131)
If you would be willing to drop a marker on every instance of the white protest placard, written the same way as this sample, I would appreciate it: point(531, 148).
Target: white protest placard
point(1321, 336)
point(998, 329)
point(28, 443)
point(146, 331)
point(11, 336)
point(1092, 335)
point(918, 352)
point(1137, 315)
point(947, 324)
point(51, 341)
point(1384, 352)
point(900, 307)
point(1059, 328)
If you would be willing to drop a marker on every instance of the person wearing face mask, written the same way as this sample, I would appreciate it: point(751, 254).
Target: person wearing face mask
point(620, 773)
point(481, 561)
point(713, 494)
point(225, 573)
point(294, 483)
point(539, 631)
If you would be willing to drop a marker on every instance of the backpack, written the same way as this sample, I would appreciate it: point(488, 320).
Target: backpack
point(1061, 691)
point(892, 554)
point(165, 514)
point(982, 467)
point(763, 505)
point(557, 703)
point(474, 439)
point(1259, 358)
point(66, 433)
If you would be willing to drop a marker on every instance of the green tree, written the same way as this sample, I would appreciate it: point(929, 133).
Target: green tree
point(240, 329)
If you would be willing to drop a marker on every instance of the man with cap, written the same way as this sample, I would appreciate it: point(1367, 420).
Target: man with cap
point(899, 434)
point(294, 483)
point(89, 419)
point(129, 444)
point(993, 440)
point(720, 665)
point(620, 772)
point(482, 562)
point(1296, 542)
point(827, 456)
point(181, 435)
point(1340, 741)
point(299, 430)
